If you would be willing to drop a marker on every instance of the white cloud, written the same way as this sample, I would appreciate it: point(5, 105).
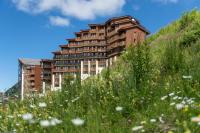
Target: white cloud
point(81, 9)
point(58, 21)
point(167, 1)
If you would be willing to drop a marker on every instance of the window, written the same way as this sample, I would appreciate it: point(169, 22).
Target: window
point(93, 34)
point(93, 27)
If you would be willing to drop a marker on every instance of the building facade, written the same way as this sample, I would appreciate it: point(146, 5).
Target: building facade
point(87, 54)
point(95, 48)
point(29, 76)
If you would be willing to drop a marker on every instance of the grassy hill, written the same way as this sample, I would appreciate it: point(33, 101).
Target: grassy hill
point(14, 90)
point(154, 87)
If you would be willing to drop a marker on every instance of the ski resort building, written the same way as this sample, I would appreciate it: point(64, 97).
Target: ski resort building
point(88, 53)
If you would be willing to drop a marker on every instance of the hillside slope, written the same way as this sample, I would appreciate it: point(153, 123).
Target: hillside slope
point(153, 87)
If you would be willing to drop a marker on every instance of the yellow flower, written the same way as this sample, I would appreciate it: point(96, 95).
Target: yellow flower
point(169, 132)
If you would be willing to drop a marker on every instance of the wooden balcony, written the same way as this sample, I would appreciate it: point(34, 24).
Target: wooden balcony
point(117, 38)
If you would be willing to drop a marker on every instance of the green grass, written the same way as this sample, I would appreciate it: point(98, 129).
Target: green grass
point(155, 81)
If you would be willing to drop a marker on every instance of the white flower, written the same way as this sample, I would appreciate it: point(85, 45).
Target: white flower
point(161, 120)
point(143, 122)
point(153, 120)
point(187, 77)
point(44, 123)
point(42, 105)
point(190, 101)
point(179, 106)
point(75, 99)
point(176, 97)
point(171, 94)
point(137, 128)
point(17, 124)
point(163, 98)
point(171, 104)
point(10, 116)
point(195, 119)
point(179, 98)
point(183, 102)
point(32, 106)
point(27, 116)
point(118, 108)
point(78, 122)
point(55, 121)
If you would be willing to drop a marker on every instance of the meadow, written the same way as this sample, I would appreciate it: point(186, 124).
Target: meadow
point(153, 87)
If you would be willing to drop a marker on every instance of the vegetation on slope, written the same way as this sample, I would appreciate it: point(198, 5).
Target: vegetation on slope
point(153, 87)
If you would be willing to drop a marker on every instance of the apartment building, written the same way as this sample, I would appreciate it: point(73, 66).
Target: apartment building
point(87, 54)
point(95, 48)
point(29, 76)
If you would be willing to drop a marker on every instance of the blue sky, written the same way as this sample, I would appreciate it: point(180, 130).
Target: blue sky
point(35, 28)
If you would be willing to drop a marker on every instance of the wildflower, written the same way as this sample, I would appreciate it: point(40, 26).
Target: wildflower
point(179, 106)
point(17, 124)
point(183, 102)
point(27, 116)
point(161, 120)
point(179, 98)
point(10, 116)
point(187, 77)
point(195, 119)
point(163, 98)
point(171, 94)
point(176, 97)
point(42, 105)
point(55, 121)
point(78, 122)
point(44, 123)
point(75, 99)
point(32, 106)
point(153, 120)
point(190, 101)
point(137, 128)
point(143, 122)
point(118, 108)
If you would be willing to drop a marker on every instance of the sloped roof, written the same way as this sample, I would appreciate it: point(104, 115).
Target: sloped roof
point(32, 62)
